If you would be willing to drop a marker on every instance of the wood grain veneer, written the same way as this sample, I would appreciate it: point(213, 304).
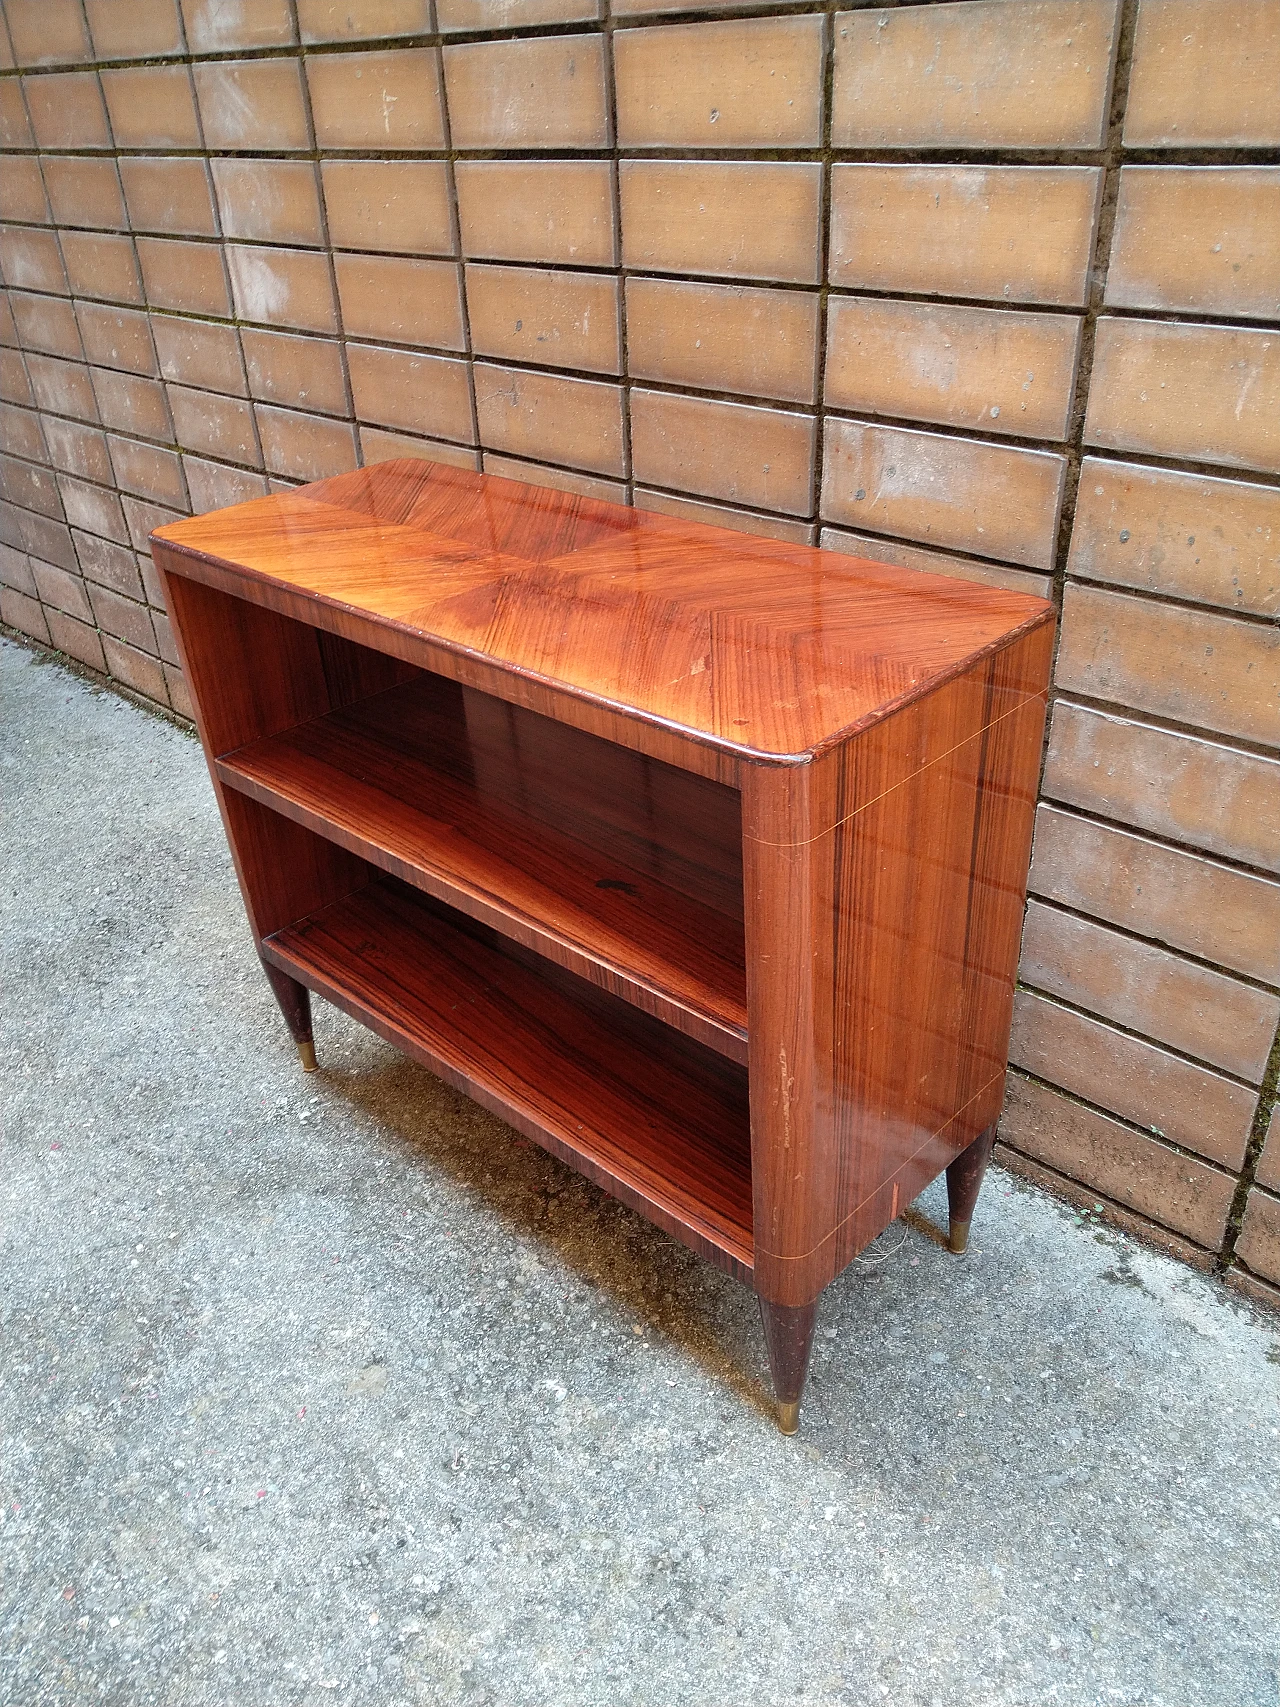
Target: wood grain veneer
point(749, 647)
point(542, 831)
point(700, 858)
point(657, 1121)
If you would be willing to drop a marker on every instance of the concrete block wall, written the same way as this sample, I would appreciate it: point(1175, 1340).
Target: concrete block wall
point(991, 288)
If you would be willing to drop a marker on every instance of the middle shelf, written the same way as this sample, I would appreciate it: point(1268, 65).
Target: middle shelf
point(615, 866)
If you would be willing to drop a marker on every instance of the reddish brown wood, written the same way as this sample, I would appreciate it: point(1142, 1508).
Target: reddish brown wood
point(253, 673)
point(295, 1005)
point(964, 1182)
point(749, 647)
point(354, 672)
point(817, 775)
point(654, 1118)
point(884, 892)
point(545, 833)
point(788, 1337)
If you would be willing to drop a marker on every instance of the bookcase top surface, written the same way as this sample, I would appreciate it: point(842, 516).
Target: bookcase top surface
point(766, 649)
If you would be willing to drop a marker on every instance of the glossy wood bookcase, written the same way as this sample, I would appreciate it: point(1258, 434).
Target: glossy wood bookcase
point(697, 857)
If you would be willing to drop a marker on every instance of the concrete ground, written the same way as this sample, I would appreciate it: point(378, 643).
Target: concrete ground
point(330, 1390)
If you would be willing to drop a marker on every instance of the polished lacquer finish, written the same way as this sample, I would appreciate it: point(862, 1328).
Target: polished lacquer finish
point(699, 858)
point(747, 646)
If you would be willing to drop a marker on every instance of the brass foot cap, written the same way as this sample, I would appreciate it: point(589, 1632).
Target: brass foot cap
point(959, 1241)
point(307, 1055)
point(789, 1416)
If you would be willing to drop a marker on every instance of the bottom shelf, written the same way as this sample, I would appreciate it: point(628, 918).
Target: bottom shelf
point(657, 1119)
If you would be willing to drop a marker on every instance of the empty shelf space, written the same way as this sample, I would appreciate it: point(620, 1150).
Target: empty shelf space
point(655, 1118)
point(616, 866)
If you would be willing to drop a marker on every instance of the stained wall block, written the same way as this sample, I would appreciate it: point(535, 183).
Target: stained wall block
point(1189, 1105)
point(394, 299)
point(211, 425)
point(104, 265)
point(744, 455)
point(546, 317)
point(990, 369)
point(62, 387)
point(553, 211)
point(117, 337)
point(640, 8)
point(297, 372)
point(1145, 988)
point(543, 92)
point(84, 190)
point(61, 591)
point(67, 111)
point(166, 195)
point(1268, 1170)
point(965, 494)
point(1193, 667)
point(30, 260)
point(1131, 1167)
point(24, 613)
point(22, 195)
point(283, 287)
point(304, 447)
point(152, 106)
point(1188, 536)
point(1179, 786)
point(1205, 74)
point(204, 354)
point(693, 216)
point(15, 128)
point(77, 639)
point(975, 75)
point(338, 20)
point(751, 83)
point(47, 324)
point(561, 479)
point(1259, 1244)
point(724, 516)
point(48, 32)
point(1019, 234)
point(1212, 911)
point(400, 206)
point(1203, 393)
point(269, 201)
point(714, 337)
point(95, 509)
point(215, 487)
point(379, 446)
point(503, 14)
point(186, 277)
point(550, 416)
point(253, 104)
point(1205, 239)
point(21, 435)
point(373, 100)
point(14, 125)
point(144, 29)
point(214, 27)
point(419, 393)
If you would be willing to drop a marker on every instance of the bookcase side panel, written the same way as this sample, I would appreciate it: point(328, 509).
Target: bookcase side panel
point(251, 671)
point(897, 909)
point(254, 673)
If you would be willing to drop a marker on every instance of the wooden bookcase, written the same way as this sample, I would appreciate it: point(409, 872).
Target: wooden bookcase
point(699, 858)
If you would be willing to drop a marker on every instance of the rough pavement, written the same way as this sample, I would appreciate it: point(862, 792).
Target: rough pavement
point(331, 1390)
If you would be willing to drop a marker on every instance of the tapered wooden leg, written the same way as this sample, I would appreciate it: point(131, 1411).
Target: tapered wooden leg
point(964, 1182)
point(295, 1005)
point(788, 1334)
